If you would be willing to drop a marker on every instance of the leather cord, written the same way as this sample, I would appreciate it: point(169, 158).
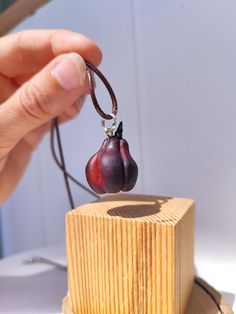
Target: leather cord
point(90, 70)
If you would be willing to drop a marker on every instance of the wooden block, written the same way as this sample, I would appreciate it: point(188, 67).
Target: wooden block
point(204, 299)
point(130, 254)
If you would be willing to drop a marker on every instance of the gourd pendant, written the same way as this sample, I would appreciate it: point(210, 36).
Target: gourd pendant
point(112, 169)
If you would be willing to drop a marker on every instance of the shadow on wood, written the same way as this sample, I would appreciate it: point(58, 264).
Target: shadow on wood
point(134, 211)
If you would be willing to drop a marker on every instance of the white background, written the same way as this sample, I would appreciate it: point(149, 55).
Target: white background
point(173, 67)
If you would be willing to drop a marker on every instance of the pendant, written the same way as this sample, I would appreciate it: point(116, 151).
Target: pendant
point(112, 169)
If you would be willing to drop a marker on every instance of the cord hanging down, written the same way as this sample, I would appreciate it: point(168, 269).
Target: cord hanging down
point(61, 163)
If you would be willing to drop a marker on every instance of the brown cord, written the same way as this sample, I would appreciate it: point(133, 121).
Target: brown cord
point(59, 164)
point(63, 165)
point(90, 69)
point(55, 127)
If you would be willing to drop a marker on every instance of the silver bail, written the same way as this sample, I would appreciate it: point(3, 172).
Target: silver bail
point(109, 130)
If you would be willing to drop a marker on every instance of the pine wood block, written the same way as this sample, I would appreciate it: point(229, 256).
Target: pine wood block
point(130, 254)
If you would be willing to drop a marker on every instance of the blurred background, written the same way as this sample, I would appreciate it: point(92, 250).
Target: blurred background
point(172, 65)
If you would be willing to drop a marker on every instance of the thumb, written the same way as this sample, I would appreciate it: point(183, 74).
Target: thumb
point(46, 95)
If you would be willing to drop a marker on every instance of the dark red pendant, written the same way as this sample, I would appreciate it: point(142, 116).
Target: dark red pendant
point(112, 169)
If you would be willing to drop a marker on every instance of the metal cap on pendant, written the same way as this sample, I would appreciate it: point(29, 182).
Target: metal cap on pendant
point(109, 130)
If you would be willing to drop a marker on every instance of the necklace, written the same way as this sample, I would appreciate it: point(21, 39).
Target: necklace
point(112, 169)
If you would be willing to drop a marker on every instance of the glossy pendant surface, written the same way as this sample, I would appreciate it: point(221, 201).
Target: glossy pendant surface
point(112, 169)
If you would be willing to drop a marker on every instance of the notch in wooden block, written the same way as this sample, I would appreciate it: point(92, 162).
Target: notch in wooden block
point(131, 254)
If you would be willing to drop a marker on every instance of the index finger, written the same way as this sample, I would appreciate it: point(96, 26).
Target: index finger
point(30, 50)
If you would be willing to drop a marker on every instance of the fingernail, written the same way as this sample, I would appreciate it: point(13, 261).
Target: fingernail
point(70, 72)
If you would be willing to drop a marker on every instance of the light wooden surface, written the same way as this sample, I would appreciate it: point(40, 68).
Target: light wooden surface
point(206, 300)
point(131, 254)
point(200, 301)
point(17, 12)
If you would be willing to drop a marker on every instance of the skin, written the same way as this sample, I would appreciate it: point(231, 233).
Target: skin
point(30, 98)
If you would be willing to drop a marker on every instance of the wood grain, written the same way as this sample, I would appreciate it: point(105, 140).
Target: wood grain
point(130, 254)
point(200, 301)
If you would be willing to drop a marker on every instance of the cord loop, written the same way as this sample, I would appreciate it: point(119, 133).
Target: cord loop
point(106, 116)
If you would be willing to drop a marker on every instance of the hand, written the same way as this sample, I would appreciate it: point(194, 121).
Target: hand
point(42, 75)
